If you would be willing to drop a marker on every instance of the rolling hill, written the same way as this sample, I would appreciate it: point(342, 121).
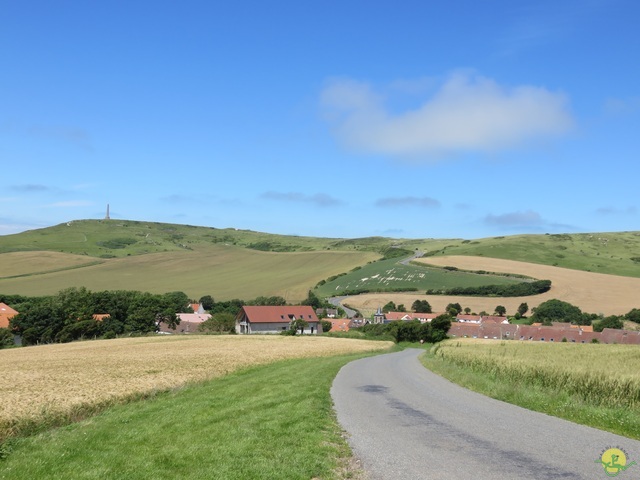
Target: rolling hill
point(230, 263)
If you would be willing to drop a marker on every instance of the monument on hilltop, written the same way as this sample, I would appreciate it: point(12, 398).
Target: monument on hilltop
point(107, 217)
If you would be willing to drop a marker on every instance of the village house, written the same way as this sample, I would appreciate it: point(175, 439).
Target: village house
point(6, 314)
point(189, 323)
point(276, 319)
point(340, 324)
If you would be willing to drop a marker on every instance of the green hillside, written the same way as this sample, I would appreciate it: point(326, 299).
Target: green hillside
point(230, 263)
point(612, 253)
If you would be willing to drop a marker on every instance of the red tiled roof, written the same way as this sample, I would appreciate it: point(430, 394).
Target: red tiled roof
point(278, 314)
point(340, 324)
point(6, 314)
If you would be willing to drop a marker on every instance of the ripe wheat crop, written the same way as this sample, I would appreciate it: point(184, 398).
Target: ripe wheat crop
point(599, 374)
point(54, 384)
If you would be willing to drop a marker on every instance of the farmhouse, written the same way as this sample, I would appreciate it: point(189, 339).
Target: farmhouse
point(6, 314)
point(276, 319)
point(189, 323)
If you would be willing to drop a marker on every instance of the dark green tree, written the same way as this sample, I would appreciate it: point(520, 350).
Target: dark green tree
point(219, 323)
point(6, 338)
point(390, 307)
point(523, 309)
point(633, 315)
point(612, 321)
point(501, 310)
point(326, 326)
point(558, 311)
point(312, 300)
point(421, 306)
point(207, 302)
point(453, 309)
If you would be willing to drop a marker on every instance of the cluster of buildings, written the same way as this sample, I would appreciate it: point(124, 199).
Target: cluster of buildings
point(253, 319)
point(498, 328)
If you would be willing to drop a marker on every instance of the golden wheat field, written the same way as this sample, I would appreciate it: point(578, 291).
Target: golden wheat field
point(59, 379)
point(601, 374)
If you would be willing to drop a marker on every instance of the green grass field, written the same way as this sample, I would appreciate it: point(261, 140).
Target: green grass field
point(274, 422)
point(613, 253)
point(225, 272)
point(391, 274)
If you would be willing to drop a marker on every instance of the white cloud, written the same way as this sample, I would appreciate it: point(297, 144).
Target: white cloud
point(468, 113)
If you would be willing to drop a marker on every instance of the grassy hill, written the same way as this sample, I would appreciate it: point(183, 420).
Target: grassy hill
point(230, 263)
point(612, 253)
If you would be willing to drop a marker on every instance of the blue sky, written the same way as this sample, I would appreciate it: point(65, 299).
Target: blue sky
point(406, 119)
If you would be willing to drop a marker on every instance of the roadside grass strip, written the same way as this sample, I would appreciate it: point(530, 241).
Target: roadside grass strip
point(594, 385)
point(266, 422)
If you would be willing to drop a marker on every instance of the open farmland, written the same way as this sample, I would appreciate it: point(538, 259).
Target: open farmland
point(592, 292)
point(61, 381)
point(224, 271)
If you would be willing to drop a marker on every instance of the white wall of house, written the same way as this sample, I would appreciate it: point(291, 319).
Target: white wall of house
point(277, 328)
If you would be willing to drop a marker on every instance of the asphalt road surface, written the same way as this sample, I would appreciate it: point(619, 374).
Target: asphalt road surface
point(404, 422)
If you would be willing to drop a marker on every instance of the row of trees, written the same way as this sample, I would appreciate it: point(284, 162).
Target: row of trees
point(559, 311)
point(453, 309)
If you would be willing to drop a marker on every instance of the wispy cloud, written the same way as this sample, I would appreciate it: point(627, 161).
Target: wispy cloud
point(408, 202)
point(30, 188)
point(318, 199)
point(515, 219)
point(631, 210)
point(468, 113)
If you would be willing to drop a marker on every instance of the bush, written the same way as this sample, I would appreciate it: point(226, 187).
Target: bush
point(6, 338)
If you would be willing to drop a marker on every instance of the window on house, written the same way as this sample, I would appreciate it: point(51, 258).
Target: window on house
point(284, 328)
point(542, 339)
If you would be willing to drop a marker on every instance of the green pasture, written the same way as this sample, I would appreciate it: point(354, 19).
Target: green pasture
point(390, 275)
point(613, 253)
point(223, 271)
point(274, 422)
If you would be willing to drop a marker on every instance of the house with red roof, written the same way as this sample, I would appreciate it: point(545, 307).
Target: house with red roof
point(276, 319)
point(340, 324)
point(6, 314)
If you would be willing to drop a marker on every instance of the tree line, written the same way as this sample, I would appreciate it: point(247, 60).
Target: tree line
point(69, 314)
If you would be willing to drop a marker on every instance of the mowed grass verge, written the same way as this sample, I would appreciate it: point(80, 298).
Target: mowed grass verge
point(54, 385)
point(268, 422)
point(225, 271)
point(594, 385)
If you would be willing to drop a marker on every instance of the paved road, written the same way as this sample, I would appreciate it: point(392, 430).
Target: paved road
point(405, 422)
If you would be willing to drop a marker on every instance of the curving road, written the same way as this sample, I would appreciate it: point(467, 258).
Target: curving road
point(405, 422)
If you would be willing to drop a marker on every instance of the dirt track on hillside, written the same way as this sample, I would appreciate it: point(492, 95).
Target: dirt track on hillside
point(592, 292)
